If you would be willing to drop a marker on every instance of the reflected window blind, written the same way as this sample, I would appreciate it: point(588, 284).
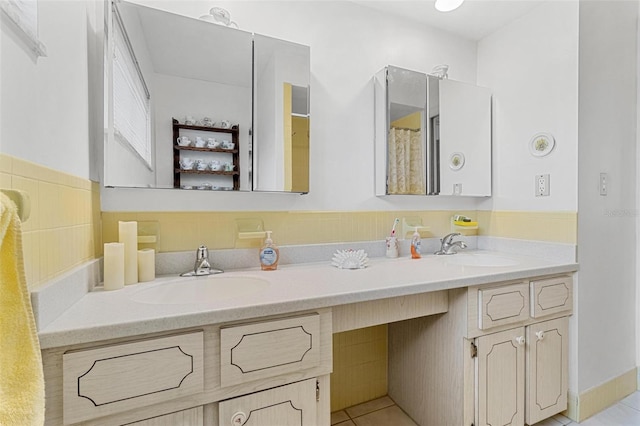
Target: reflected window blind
point(131, 115)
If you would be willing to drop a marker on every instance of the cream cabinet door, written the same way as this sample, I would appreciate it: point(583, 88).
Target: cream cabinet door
point(290, 405)
point(500, 378)
point(190, 417)
point(547, 378)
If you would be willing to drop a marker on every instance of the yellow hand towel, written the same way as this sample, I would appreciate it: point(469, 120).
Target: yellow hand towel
point(21, 376)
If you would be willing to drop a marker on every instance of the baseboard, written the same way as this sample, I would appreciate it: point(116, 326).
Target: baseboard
point(581, 407)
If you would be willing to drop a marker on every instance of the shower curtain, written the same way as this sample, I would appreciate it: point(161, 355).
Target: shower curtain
point(406, 168)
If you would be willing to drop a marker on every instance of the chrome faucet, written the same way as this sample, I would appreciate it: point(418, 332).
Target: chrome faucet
point(448, 246)
point(202, 265)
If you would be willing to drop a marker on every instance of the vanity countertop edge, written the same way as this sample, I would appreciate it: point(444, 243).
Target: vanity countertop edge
point(102, 315)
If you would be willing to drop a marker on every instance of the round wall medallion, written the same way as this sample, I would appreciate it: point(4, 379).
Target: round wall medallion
point(541, 144)
point(456, 161)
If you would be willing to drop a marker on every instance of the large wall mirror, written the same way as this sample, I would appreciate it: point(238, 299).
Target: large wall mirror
point(181, 94)
point(433, 135)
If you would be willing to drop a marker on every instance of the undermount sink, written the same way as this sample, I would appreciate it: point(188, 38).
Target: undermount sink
point(478, 259)
point(200, 290)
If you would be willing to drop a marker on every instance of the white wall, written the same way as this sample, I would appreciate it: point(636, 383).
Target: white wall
point(606, 225)
point(637, 224)
point(532, 67)
point(349, 44)
point(45, 113)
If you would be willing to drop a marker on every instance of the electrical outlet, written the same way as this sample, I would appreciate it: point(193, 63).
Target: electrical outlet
point(604, 183)
point(542, 185)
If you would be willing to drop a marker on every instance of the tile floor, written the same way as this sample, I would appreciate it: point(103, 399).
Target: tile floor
point(384, 412)
point(378, 412)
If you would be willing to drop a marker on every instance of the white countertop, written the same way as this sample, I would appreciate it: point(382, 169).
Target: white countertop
point(101, 315)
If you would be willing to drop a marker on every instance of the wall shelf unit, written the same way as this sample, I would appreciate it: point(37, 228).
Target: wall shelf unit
point(224, 155)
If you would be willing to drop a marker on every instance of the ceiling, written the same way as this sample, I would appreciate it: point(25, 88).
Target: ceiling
point(474, 20)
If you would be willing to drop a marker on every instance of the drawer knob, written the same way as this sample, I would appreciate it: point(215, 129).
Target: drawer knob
point(520, 340)
point(540, 335)
point(238, 419)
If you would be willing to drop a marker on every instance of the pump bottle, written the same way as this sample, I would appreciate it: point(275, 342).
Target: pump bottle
point(269, 254)
point(416, 245)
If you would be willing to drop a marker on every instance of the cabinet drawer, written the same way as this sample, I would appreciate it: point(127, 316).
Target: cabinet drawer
point(551, 296)
point(503, 305)
point(260, 350)
point(112, 379)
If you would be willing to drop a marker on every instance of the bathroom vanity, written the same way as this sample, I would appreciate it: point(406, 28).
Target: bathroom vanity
point(265, 357)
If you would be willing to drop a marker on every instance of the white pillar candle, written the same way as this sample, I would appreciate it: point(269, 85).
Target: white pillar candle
point(113, 266)
point(146, 265)
point(128, 235)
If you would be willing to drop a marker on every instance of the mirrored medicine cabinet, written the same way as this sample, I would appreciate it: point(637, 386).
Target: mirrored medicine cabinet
point(432, 135)
point(197, 84)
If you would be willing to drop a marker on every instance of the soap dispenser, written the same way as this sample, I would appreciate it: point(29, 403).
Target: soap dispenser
point(416, 245)
point(269, 254)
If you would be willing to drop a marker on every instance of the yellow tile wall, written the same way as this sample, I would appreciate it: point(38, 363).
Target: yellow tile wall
point(180, 231)
point(63, 229)
point(559, 227)
point(183, 231)
point(359, 366)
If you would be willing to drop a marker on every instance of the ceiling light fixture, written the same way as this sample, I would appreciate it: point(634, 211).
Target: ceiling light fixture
point(448, 5)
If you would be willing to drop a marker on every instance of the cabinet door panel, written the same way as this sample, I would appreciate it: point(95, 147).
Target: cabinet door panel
point(547, 379)
point(500, 384)
point(290, 405)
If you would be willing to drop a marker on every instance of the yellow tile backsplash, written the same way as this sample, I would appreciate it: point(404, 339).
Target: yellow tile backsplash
point(180, 231)
point(557, 227)
point(63, 230)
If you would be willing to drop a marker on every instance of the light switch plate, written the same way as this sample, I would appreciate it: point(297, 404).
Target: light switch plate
point(604, 183)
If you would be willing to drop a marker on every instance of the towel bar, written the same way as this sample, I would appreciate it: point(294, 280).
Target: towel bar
point(22, 201)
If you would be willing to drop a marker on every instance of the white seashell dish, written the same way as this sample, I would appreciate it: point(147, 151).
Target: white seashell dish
point(350, 259)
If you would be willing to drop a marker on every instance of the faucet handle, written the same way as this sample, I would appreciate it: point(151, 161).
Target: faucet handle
point(447, 238)
point(202, 264)
point(202, 253)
